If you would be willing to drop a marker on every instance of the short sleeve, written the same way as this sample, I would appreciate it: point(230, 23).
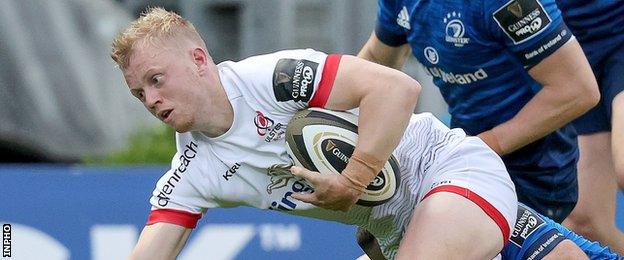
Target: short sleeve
point(392, 22)
point(287, 81)
point(531, 29)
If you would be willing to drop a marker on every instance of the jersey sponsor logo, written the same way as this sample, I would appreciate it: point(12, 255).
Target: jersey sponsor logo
point(186, 157)
point(522, 20)
point(266, 127)
point(403, 19)
point(546, 46)
point(280, 177)
point(230, 172)
point(431, 55)
point(439, 183)
point(542, 246)
point(455, 30)
point(286, 203)
point(453, 78)
point(294, 80)
point(527, 222)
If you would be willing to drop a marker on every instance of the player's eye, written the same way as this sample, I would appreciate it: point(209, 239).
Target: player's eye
point(156, 79)
point(139, 95)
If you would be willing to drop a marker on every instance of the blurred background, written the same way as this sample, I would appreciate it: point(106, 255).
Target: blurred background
point(64, 101)
point(80, 156)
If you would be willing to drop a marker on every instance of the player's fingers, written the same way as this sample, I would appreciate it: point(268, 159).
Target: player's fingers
point(304, 173)
point(305, 197)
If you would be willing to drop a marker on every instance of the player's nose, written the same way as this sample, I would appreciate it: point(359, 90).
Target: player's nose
point(152, 97)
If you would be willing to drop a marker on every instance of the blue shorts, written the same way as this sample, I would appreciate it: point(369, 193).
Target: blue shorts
point(546, 183)
point(534, 236)
point(607, 62)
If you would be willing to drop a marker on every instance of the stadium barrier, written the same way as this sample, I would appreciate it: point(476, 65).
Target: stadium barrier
point(74, 212)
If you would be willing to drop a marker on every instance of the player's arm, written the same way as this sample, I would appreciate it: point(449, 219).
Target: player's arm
point(391, 56)
point(160, 241)
point(569, 90)
point(386, 98)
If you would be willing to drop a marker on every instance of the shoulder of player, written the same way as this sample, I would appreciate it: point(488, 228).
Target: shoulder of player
point(261, 68)
point(273, 56)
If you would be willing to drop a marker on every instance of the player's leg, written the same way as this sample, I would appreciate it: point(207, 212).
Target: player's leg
point(534, 236)
point(617, 137)
point(596, 167)
point(449, 226)
point(466, 208)
point(597, 183)
point(615, 85)
point(566, 250)
point(369, 244)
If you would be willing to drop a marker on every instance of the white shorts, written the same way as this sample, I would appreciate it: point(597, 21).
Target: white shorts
point(477, 173)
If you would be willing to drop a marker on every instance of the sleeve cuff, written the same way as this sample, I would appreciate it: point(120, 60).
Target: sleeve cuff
point(172, 216)
point(388, 37)
point(330, 69)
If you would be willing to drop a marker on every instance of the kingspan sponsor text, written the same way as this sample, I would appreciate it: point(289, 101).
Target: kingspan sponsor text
point(185, 160)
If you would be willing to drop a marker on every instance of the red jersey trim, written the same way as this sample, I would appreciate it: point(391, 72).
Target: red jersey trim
point(490, 210)
point(178, 217)
point(327, 81)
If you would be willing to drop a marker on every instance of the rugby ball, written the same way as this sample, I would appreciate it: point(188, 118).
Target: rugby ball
point(323, 140)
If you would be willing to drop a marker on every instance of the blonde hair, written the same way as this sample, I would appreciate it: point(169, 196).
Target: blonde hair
point(154, 24)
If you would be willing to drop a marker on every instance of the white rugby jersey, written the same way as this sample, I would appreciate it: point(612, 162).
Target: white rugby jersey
point(246, 166)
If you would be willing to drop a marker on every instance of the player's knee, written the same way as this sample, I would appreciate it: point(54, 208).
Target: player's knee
point(581, 223)
point(566, 250)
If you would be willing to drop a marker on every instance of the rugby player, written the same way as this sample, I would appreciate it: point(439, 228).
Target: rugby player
point(230, 119)
point(599, 28)
point(513, 73)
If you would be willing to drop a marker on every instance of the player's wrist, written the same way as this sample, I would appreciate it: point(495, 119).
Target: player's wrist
point(361, 170)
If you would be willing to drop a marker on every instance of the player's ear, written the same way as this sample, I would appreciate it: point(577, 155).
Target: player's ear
point(200, 58)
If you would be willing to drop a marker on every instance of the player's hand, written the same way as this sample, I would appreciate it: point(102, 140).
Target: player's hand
point(330, 190)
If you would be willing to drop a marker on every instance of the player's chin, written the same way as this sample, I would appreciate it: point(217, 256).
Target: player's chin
point(181, 127)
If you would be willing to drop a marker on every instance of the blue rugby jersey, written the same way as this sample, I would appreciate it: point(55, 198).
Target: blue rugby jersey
point(598, 26)
point(592, 20)
point(478, 53)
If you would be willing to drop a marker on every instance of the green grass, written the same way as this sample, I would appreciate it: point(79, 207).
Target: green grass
point(155, 145)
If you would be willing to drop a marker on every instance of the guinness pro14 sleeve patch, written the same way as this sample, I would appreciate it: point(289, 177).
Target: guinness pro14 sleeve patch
point(522, 19)
point(294, 80)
